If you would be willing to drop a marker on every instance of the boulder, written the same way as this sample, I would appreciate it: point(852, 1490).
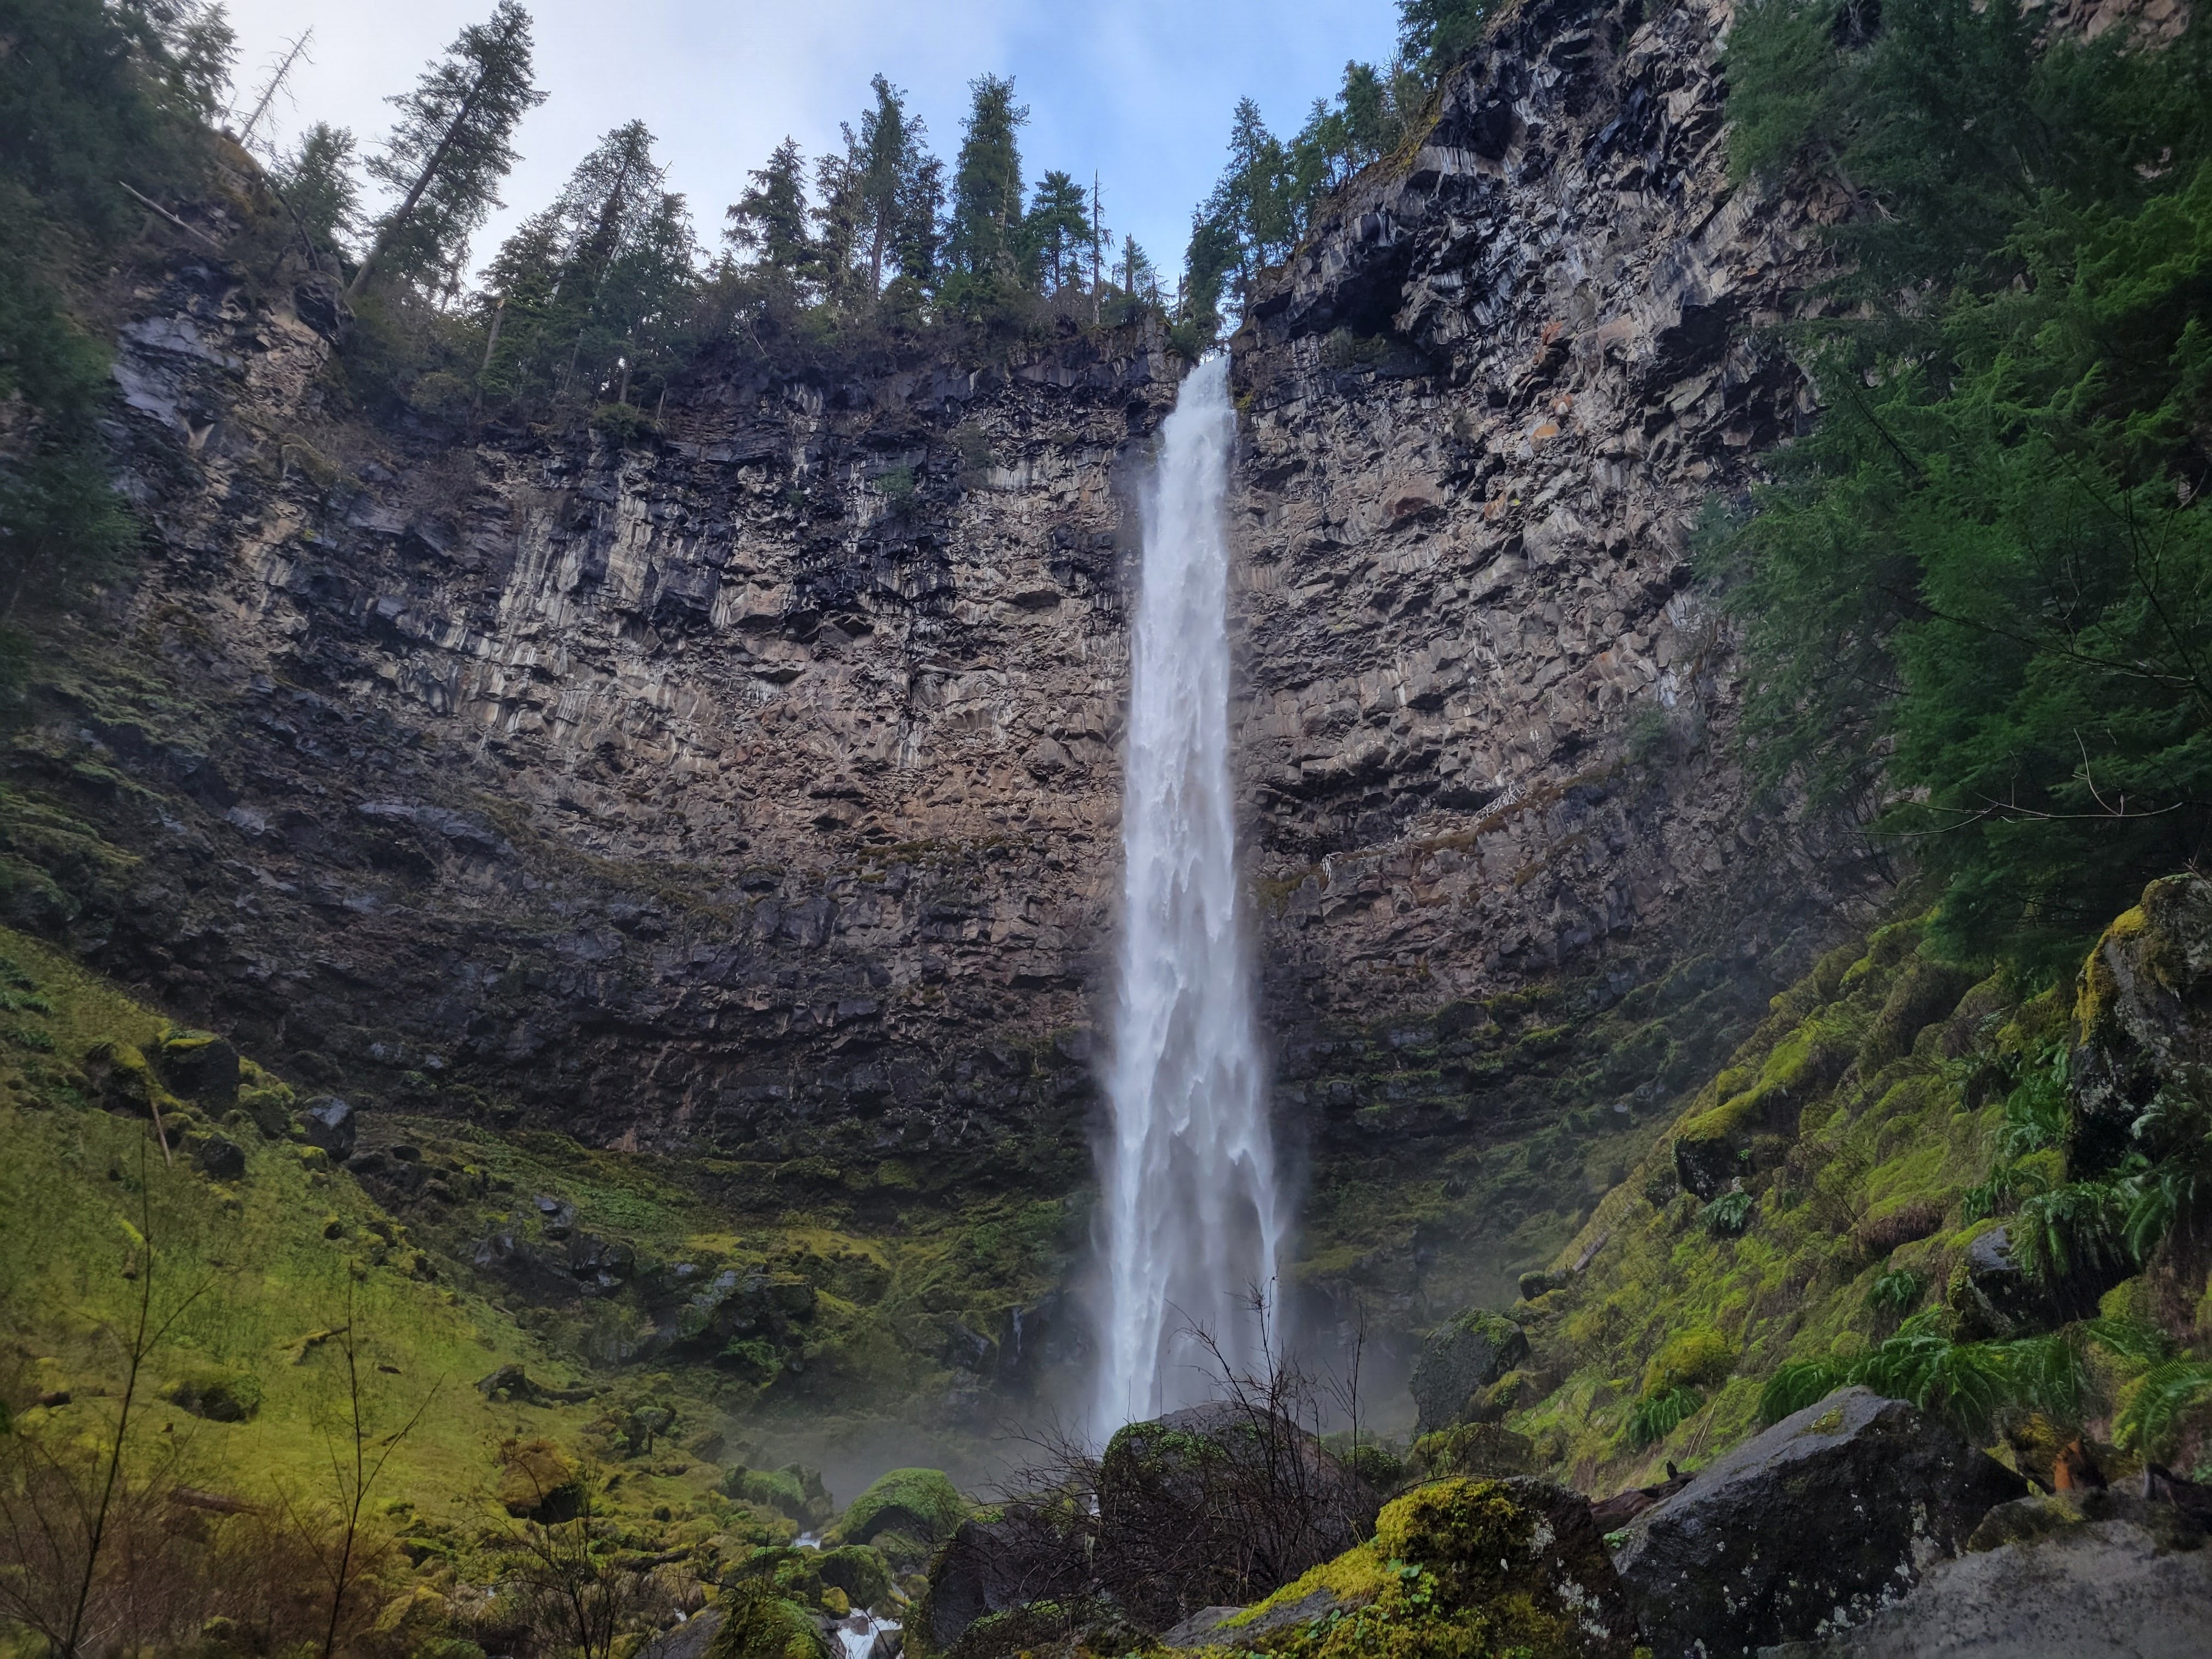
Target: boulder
point(1819, 1522)
point(1219, 1504)
point(920, 1503)
point(330, 1123)
point(994, 1566)
point(689, 1640)
point(1457, 1358)
point(2100, 1589)
point(223, 1159)
point(2145, 1010)
point(1456, 1566)
point(199, 1066)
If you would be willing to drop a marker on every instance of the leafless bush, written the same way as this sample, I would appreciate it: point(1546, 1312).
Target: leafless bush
point(1218, 1503)
point(575, 1587)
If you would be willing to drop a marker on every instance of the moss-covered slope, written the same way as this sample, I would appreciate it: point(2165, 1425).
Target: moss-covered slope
point(1904, 1170)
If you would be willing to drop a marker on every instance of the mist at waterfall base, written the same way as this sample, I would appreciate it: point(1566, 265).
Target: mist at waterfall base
point(1192, 1210)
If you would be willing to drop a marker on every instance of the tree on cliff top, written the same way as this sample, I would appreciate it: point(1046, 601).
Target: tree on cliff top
point(449, 150)
point(584, 283)
point(987, 183)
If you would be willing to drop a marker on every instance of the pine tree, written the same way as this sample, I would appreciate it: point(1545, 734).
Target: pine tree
point(986, 182)
point(577, 281)
point(318, 185)
point(889, 155)
point(1056, 231)
point(770, 219)
point(918, 246)
point(1434, 34)
point(450, 150)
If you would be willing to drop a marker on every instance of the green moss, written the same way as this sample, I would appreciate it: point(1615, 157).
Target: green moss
point(759, 1622)
point(922, 1503)
point(1451, 1573)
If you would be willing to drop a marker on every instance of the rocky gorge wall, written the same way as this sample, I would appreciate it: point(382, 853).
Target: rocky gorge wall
point(745, 782)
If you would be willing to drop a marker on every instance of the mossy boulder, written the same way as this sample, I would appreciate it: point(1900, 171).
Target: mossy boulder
point(200, 1066)
point(1461, 1569)
point(1218, 1504)
point(2144, 1010)
point(859, 1571)
point(995, 1565)
point(220, 1394)
point(757, 1623)
point(922, 1503)
point(794, 1490)
point(1459, 1357)
point(537, 1481)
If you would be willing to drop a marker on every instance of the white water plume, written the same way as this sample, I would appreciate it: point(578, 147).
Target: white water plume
point(1191, 1207)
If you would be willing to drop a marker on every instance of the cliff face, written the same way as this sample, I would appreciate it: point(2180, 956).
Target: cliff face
point(750, 784)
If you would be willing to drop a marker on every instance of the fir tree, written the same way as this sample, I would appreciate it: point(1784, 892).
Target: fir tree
point(770, 219)
point(986, 182)
point(1056, 231)
point(319, 186)
point(450, 148)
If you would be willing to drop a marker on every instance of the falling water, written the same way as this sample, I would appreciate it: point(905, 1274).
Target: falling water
point(1191, 1209)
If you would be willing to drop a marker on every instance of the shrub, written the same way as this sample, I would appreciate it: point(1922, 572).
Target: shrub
point(1693, 1359)
point(1656, 1416)
point(1727, 1215)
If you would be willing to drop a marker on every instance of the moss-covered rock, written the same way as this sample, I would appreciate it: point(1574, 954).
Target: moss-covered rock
point(859, 1571)
point(758, 1623)
point(1458, 1358)
point(221, 1393)
point(1462, 1569)
point(920, 1503)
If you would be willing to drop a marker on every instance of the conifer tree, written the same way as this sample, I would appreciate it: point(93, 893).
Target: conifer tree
point(581, 283)
point(769, 221)
point(318, 182)
point(986, 182)
point(1057, 230)
point(918, 246)
point(450, 148)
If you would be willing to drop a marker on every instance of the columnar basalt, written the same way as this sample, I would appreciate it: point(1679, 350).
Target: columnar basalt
point(745, 777)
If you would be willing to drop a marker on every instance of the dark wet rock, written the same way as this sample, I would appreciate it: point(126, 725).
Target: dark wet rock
point(995, 1566)
point(1459, 1358)
point(223, 1159)
point(1825, 1517)
point(200, 1067)
point(2095, 1589)
point(330, 1123)
point(1216, 1503)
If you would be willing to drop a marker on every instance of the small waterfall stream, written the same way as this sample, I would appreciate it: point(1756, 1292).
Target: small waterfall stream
point(1192, 1214)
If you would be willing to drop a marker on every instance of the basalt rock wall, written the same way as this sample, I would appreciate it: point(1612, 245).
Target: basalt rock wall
point(748, 782)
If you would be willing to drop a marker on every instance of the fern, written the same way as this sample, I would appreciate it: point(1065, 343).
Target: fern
point(2082, 1225)
point(1894, 1292)
point(1795, 1386)
point(2148, 1422)
point(1728, 1215)
point(2035, 1110)
point(1659, 1415)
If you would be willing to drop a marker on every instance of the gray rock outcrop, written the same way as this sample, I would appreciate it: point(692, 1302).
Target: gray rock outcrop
point(1810, 1527)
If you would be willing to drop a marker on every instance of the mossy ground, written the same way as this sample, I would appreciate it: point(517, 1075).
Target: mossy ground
point(278, 1258)
point(1848, 1131)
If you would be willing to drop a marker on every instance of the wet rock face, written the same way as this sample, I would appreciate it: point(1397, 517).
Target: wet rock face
point(1486, 402)
point(1814, 1525)
point(754, 786)
point(1456, 1359)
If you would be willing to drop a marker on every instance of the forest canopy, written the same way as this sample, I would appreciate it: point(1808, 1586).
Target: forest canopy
point(1977, 597)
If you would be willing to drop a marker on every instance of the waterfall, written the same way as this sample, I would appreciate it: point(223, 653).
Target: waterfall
point(1191, 1213)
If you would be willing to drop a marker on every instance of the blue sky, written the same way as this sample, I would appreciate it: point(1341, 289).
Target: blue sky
point(1140, 90)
